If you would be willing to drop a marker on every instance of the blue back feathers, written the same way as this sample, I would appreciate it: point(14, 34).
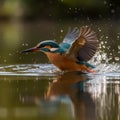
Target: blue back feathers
point(48, 43)
point(86, 64)
point(65, 46)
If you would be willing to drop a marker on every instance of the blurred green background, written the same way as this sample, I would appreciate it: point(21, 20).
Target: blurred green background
point(24, 23)
point(58, 9)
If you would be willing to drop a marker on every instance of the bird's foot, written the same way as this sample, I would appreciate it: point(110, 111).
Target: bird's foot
point(91, 71)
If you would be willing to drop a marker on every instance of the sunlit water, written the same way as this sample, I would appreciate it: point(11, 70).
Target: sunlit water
point(37, 91)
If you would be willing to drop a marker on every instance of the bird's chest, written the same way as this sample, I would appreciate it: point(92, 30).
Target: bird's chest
point(62, 61)
point(56, 58)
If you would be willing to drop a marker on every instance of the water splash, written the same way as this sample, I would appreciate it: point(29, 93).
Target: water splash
point(50, 70)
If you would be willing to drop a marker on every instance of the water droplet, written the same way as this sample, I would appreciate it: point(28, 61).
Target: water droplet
point(10, 54)
point(68, 11)
point(61, 37)
point(5, 60)
point(61, 30)
point(50, 15)
point(110, 53)
point(75, 19)
point(23, 100)
point(117, 58)
point(103, 46)
point(20, 58)
point(76, 11)
point(102, 42)
point(88, 18)
point(102, 36)
point(119, 47)
point(105, 41)
point(105, 2)
point(99, 30)
point(113, 62)
point(106, 37)
point(110, 4)
point(26, 44)
point(100, 16)
point(112, 11)
point(118, 36)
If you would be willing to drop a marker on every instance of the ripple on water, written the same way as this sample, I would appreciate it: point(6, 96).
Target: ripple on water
point(50, 70)
point(28, 70)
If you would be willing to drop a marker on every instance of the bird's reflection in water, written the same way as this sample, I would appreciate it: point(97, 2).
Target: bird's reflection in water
point(68, 90)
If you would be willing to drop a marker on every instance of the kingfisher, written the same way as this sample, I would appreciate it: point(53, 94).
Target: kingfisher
point(73, 54)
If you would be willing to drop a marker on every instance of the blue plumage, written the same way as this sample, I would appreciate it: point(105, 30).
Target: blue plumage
point(65, 46)
point(48, 43)
point(86, 64)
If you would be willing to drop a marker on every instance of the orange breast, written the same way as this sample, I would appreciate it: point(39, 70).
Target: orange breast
point(65, 63)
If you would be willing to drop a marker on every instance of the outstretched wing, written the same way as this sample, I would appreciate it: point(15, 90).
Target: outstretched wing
point(85, 46)
point(71, 35)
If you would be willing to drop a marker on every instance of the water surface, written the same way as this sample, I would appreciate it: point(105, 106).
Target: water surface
point(39, 92)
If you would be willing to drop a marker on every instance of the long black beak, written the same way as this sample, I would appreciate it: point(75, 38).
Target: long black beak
point(34, 49)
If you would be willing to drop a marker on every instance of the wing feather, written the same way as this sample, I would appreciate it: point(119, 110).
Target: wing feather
point(85, 46)
point(71, 35)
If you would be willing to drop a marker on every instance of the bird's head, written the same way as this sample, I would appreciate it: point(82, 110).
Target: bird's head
point(45, 46)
